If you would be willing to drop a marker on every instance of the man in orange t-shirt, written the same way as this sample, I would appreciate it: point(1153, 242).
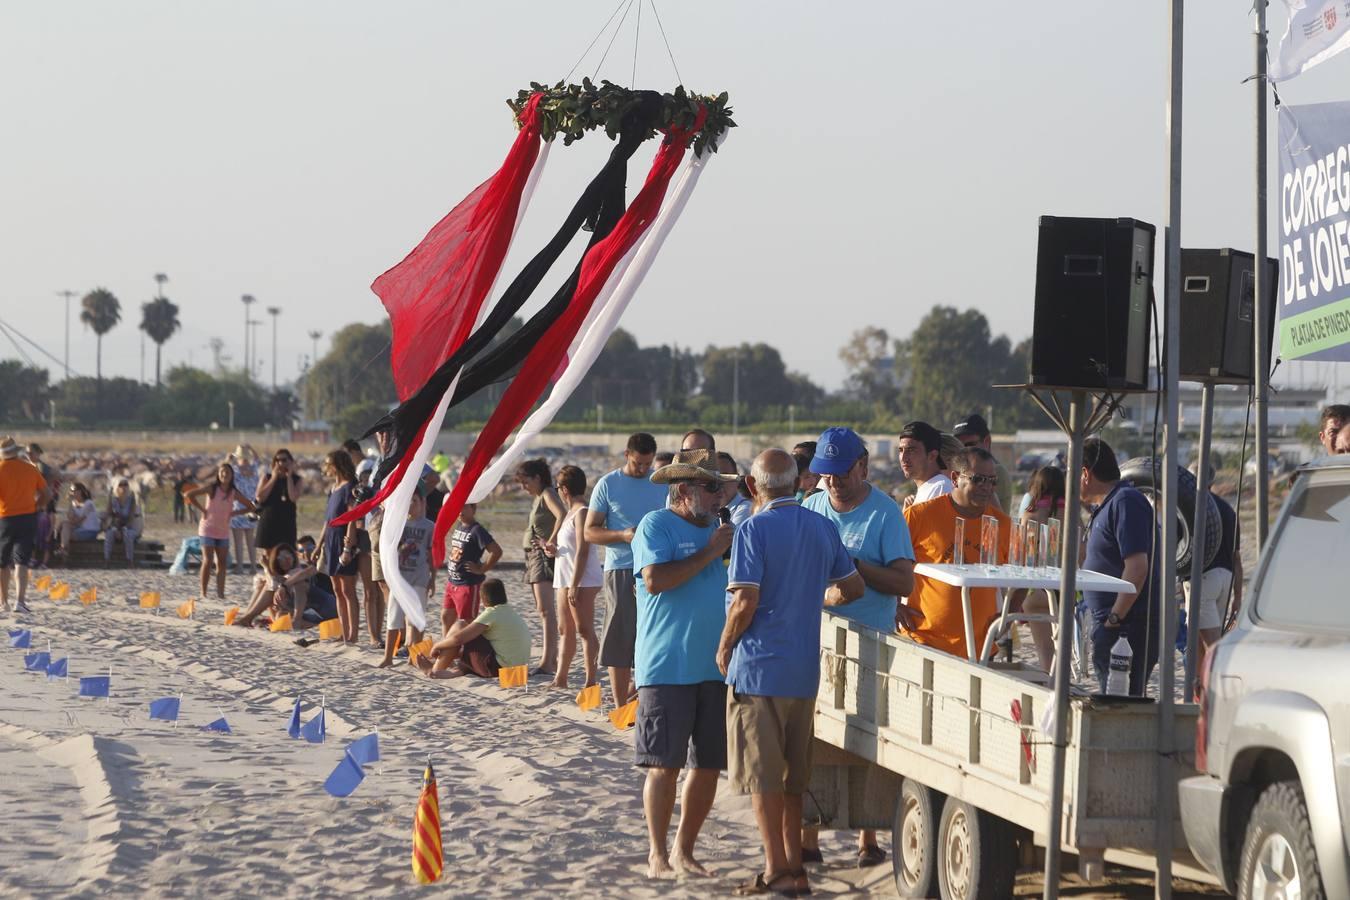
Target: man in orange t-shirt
point(932, 527)
point(22, 490)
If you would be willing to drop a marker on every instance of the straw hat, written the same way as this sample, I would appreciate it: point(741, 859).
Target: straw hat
point(698, 465)
point(8, 449)
point(245, 453)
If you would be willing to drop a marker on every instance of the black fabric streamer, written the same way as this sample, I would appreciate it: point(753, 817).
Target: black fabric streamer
point(601, 205)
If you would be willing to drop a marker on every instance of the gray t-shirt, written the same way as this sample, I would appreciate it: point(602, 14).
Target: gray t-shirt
point(414, 551)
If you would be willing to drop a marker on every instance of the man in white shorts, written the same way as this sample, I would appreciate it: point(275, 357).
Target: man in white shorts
point(1223, 572)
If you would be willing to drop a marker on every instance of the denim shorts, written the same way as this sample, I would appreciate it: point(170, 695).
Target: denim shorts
point(214, 542)
point(682, 726)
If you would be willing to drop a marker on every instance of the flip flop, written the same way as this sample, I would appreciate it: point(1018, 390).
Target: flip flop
point(763, 885)
point(871, 856)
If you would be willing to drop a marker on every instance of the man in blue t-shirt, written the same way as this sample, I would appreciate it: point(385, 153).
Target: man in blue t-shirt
point(875, 534)
point(1122, 541)
point(681, 715)
point(786, 563)
point(620, 499)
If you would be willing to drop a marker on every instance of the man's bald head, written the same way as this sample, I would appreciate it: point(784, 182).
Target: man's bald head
point(775, 474)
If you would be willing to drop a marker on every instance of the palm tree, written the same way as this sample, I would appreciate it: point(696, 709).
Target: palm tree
point(101, 312)
point(159, 319)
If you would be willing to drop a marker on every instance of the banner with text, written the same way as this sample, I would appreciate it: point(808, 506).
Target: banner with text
point(1317, 31)
point(1314, 220)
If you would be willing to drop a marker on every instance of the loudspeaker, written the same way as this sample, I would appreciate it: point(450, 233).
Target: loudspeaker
point(1094, 279)
point(1217, 314)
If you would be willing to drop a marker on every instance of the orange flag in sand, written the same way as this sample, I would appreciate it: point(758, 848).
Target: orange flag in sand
point(186, 609)
point(330, 628)
point(43, 583)
point(150, 600)
point(231, 614)
point(60, 591)
point(280, 623)
point(89, 596)
point(427, 861)
point(514, 676)
point(625, 716)
point(421, 648)
point(589, 697)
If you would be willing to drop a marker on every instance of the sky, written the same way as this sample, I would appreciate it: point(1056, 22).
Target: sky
point(890, 156)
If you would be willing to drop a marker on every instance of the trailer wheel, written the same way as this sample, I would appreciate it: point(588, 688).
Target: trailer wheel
point(977, 854)
point(914, 844)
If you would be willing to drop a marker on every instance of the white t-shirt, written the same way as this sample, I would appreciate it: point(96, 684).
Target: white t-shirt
point(936, 486)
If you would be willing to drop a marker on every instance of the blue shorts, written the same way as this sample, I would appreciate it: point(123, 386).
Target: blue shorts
point(215, 542)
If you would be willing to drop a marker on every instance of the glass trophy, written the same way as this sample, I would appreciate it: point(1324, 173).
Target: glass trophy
point(959, 542)
point(1054, 529)
point(989, 543)
point(1016, 553)
point(1031, 548)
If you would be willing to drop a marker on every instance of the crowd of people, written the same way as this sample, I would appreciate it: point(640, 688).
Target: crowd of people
point(711, 580)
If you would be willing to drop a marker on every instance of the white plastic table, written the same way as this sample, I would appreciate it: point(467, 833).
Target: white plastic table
point(1006, 579)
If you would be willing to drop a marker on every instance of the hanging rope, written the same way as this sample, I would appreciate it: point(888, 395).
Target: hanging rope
point(38, 346)
point(617, 29)
point(637, 36)
point(678, 78)
point(594, 39)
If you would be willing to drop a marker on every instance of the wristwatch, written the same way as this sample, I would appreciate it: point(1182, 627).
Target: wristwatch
point(1113, 620)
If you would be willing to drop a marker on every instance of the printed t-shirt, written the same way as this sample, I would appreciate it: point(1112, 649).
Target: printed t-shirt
point(792, 555)
point(677, 630)
point(875, 533)
point(508, 634)
point(467, 545)
point(1223, 558)
point(624, 500)
point(19, 483)
point(936, 486)
point(943, 626)
point(414, 551)
point(1122, 526)
point(89, 518)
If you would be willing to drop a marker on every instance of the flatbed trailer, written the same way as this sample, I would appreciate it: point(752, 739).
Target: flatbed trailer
point(952, 757)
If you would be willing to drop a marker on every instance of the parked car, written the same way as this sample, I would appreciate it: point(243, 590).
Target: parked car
point(1035, 459)
point(1268, 816)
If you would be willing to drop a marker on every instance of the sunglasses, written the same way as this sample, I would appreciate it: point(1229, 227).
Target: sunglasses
point(990, 480)
point(712, 487)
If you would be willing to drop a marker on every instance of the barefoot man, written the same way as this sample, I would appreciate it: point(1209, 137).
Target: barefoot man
point(681, 605)
point(498, 639)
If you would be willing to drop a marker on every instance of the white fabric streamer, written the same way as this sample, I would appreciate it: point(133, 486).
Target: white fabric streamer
point(396, 506)
point(626, 280)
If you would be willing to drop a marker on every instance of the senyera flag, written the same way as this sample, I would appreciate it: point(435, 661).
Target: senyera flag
point(427, 861)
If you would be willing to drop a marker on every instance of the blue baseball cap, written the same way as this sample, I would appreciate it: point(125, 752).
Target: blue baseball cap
point(837, 450)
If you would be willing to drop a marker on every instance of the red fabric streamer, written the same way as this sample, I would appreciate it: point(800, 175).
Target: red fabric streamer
point(543, 361)
point(434, 294)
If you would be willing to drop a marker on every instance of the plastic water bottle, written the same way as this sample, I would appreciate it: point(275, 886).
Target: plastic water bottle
point(1118, 678)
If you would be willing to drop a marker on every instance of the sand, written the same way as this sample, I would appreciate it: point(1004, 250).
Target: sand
point(537, 797)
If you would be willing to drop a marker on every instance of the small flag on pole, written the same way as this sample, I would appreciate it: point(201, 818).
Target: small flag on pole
point(280, 623)
point(293, 726)
point(314, 730)
point(625, 716)
point(345, 778)
point(218, 725)
point(95, 686)
point(421, 648)
point(37, 662)
point(330, 628)
point(60, 591)
point(59, 668)
point(21, 639)
point(589, 697)
point(150, 600)
point(165, 709)
point(426, 850)
point(514, 676)
point(43, 583)
point(89, 595)
point(365, 750)
point(186, 608)
point(231, 614)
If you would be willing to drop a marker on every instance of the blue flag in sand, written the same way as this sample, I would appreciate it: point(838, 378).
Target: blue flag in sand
point(21, 639)
point(95, 686)
point(365, 750)
point(314, 731)
point(218, 725)
point(58, 668)
point(37, 662)
point(293, 727)
point(15, 632)
point(165, 709)
point(345, 777)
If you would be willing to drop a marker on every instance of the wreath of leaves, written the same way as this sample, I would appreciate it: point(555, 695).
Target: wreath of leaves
point(571, 110)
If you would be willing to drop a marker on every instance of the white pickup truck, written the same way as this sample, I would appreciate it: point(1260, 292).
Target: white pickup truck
point(948, 754)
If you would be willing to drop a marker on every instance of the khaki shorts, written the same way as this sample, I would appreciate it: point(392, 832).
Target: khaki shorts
point(769, 743)
point(376, 570)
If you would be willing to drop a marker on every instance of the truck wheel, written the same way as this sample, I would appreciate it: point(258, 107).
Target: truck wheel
point(977, 854)
point(1278, 859)
point(914, 846)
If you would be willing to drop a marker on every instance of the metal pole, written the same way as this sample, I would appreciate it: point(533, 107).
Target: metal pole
point(736, 392)
point(1166, 779)
point(66, 363)
point(1198, 539)
point(1259, 320)
point(1068, 579)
